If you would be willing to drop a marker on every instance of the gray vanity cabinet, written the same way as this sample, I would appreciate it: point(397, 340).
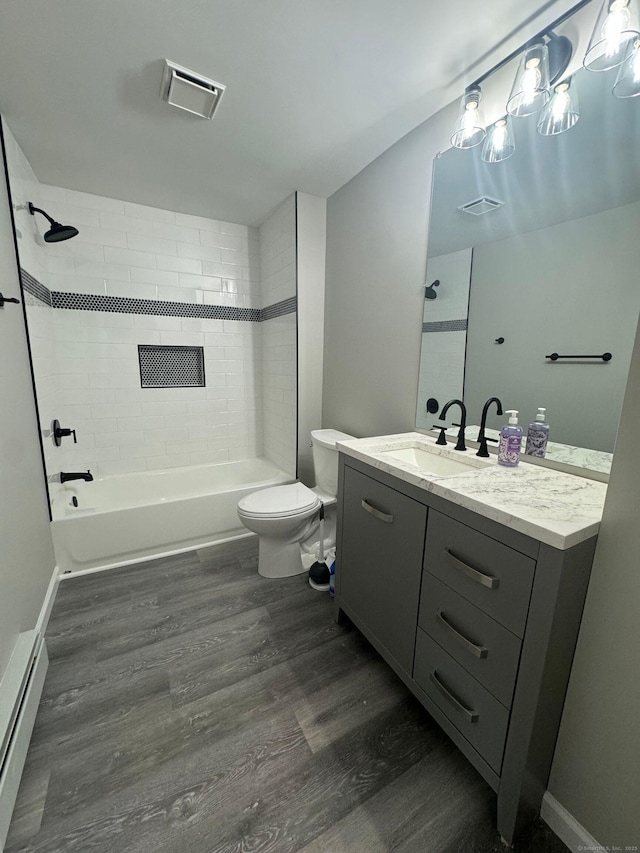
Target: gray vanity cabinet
point(479, 621)
point(384, 554)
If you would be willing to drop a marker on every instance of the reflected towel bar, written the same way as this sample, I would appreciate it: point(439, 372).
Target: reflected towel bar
point(606, 356)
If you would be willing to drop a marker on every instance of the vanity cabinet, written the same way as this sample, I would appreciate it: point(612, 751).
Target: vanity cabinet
point(480, 622)
point(384, 553)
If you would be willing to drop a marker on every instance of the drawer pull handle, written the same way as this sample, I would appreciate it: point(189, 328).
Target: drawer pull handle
point(471, 716)
point(381, 516)
point(476, 651)
point(470, 572)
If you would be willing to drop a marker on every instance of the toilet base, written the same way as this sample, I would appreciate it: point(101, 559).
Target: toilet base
point(278, 559)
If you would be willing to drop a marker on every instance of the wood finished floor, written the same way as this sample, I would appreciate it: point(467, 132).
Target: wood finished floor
point(192, 706)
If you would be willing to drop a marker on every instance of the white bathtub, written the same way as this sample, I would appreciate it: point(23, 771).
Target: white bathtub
point(133, 517)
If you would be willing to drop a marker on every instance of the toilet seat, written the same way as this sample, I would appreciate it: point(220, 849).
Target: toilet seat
point(279, 502)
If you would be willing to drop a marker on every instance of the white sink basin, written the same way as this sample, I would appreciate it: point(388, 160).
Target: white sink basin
point(432, 462)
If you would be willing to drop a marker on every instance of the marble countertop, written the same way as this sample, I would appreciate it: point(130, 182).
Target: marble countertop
point(567, 454)
point(551, 506)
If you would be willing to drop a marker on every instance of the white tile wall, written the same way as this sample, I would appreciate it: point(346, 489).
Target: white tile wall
point(443, 353)
point(86, 362)
point(143, 252)
point(278, 254)
point(278, 282)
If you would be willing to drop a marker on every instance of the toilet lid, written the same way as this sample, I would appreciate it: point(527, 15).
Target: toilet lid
point(279, 501)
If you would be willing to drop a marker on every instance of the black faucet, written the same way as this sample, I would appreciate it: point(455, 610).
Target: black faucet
point(482, 450)
point(463, 421)
point(82, 475)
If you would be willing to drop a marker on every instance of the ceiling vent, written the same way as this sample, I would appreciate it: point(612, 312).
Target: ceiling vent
point(481, 205)
point(190, 91)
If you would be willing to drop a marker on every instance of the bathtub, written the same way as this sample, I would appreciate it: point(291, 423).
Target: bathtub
point(134, 517)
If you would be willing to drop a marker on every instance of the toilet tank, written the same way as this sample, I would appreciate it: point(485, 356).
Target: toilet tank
point(325, 458)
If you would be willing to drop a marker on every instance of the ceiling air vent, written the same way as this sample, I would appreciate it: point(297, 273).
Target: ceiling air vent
point(481, 205)
point(190, 91)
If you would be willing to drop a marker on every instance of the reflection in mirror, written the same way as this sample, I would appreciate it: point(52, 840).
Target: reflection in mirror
point(537, 255)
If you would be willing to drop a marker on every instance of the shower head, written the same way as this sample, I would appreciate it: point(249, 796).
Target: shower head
point(429, 292)
point(57, 232)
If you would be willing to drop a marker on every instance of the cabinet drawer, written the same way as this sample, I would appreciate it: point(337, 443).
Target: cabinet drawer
point(477, 642)
point(380, 564)
point(477, 715)
point(492, 576)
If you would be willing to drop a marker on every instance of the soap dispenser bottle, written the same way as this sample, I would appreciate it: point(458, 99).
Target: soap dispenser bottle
point(510, 441)
point(538, 435)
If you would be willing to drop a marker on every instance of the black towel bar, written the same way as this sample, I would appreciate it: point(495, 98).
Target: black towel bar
point(605, 356)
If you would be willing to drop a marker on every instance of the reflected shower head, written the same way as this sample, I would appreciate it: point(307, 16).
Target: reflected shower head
point(429, 292)
point(57, 232)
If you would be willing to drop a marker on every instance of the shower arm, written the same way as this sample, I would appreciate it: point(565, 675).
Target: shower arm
point(33, 210)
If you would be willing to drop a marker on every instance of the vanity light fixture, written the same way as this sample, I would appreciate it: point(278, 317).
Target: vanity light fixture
point(627, 83)
point(561, 113)
point(499, 144)
point(617, 25)
point(531, 87)
point(469, 129)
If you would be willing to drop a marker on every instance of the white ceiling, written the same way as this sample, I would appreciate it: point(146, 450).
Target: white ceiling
point(316, 89)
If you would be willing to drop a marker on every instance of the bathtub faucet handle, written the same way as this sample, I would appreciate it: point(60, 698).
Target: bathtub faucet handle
point(61, 432)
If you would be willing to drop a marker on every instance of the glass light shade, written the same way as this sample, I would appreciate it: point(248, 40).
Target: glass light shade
point(561, 113)
point(469, 127)
point(616, 26)
point(627, 83)
point(531, 89)
point(499, 144)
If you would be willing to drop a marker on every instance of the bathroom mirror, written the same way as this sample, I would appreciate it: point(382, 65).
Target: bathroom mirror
point(547, 263)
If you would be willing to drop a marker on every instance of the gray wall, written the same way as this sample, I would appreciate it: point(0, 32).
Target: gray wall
point(376, 232)
point(376, 262)
point(595, 772)
point(557, 290)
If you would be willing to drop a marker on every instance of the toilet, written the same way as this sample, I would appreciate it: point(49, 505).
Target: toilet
point(286, 517)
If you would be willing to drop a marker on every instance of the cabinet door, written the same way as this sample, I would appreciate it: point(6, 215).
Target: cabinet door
point(380, 564)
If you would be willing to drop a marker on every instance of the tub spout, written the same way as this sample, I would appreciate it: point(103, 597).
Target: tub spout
point(82, 475)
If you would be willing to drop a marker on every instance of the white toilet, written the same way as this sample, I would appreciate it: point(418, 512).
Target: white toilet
point(285, 516)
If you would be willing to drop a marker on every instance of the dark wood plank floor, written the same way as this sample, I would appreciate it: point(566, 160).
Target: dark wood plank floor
point(192, 706)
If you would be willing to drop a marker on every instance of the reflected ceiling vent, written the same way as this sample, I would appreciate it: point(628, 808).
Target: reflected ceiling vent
point(190, 91)
point(481, 205)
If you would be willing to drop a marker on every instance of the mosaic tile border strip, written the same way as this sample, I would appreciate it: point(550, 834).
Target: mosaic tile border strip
point(157, 307)
point(445, 326)
point(160, 308)
point(287, 306)
point(33, 286)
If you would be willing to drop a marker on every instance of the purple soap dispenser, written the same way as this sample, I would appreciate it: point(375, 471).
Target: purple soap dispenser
point(510, 441)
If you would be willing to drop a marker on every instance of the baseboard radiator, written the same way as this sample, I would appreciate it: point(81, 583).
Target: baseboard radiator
point(20, 691)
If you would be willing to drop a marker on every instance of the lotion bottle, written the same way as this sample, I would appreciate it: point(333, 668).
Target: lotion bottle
point(510, 441)
point(538, 435)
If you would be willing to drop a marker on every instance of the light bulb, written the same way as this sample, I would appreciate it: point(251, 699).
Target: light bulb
point(530, 81)
point(561, 101)
point(499, 135)
point(469, 129)
point(615, 30)
point(627, 83)
point(615, 24)
point(499, 144)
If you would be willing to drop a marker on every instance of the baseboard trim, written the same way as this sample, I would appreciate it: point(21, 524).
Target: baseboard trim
point(47, 605)
point(21, 735)
point(565, 826)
